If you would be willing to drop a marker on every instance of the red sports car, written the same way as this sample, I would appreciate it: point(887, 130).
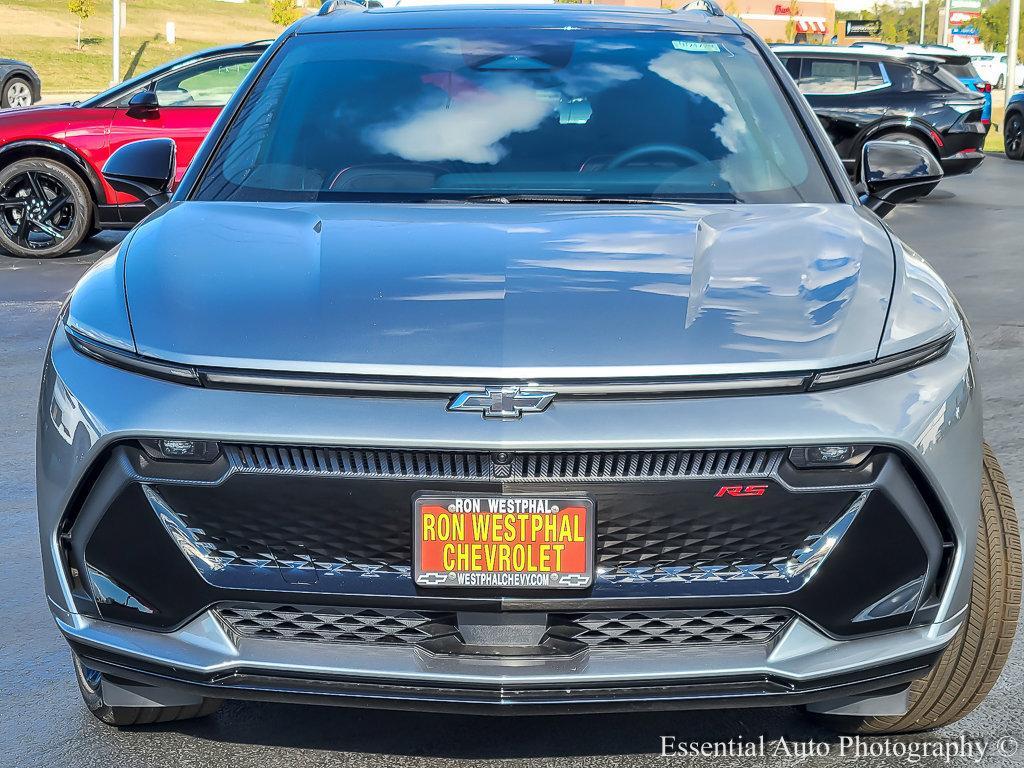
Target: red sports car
point(52, 194)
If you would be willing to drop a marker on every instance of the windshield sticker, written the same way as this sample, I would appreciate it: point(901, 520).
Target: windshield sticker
point(695, 46)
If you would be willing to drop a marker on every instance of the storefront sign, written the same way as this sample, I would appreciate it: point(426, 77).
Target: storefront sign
point(864, 28)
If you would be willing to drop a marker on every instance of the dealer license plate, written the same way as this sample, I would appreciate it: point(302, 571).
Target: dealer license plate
point(519, 542)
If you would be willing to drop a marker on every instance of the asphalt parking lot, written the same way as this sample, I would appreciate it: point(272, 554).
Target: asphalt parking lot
point(971, 229)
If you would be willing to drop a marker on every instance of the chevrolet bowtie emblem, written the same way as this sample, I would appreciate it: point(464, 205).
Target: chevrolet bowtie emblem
point(502, 402)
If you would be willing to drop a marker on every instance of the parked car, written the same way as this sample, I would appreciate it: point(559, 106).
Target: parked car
point(1013, 127)
point(524, 359)
point(52, 194)
point(992, 68)
point(862, 94)
point(962, 68)
point(19, 84)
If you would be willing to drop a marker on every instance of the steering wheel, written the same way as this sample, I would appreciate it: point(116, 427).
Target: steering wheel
point(673, 150)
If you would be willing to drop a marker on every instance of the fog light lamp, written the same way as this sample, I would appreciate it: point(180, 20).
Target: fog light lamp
point(181, 449)
point(824, 456)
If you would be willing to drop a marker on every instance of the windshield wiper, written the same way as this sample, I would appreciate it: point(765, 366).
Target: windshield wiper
point(711, 197)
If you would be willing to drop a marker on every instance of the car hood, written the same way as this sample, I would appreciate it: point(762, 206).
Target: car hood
point(509, 290)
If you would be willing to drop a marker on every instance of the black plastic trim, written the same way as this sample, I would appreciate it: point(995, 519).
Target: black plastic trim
point(638, 695)
point(672, 387)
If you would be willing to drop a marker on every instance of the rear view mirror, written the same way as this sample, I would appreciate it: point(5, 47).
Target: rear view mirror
point(143, 169)
point(895, 172)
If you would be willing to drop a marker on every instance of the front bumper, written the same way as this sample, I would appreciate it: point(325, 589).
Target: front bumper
point(928, 416)
point(801, 668)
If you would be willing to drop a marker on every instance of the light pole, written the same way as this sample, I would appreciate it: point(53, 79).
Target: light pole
point(1011, 48)
point(924, 4)
point(116, 42)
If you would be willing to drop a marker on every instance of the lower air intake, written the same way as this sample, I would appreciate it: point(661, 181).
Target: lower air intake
point(661, 628)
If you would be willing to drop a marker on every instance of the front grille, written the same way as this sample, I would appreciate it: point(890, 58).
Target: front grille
point(349, 512)
point(338, 625)
point(540, 466)
point(439, 630)
point(661, 628)
point(643, 540)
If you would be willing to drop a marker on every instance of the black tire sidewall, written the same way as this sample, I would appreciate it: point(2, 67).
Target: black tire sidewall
point(79, 194)
point(93, 697)
point(1019, 154)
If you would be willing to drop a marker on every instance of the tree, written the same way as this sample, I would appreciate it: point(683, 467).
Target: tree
point(283, 12)
point(901, 23)
point(83, 10)
point(994, 25)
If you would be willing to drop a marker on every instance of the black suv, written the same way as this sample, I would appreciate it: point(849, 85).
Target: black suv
point(861, 95)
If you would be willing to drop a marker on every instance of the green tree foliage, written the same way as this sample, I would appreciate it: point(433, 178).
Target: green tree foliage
point(284, 12)
point(901, 23)
point(994, 25)
point(82, 9)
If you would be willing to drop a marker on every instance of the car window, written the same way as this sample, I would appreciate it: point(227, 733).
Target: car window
point(793, 66)
point(870, 76)
point(962, 70)
point(837, 76)
point(416, 115)
point(911, 80)
point(207, 84)
point(824, 76)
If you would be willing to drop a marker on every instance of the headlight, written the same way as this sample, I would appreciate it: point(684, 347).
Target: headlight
point(883, 366)
point(129, 361)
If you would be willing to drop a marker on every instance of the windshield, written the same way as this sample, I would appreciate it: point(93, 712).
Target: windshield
point(518, 114)
point(965, 71)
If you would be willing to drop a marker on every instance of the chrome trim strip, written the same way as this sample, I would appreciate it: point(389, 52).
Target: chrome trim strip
point(718, 386)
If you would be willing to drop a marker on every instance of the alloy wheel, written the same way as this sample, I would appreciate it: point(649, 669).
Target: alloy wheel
point(1014, 135)
point(19, 94)
point(37, 210)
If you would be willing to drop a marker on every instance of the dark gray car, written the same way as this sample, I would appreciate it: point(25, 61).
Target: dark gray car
point(19, 84)
point(519, 360)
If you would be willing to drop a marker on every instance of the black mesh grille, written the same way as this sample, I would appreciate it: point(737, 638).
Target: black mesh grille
point(657, 514)
point(338, 625)
point(617, 465)
point(408, 627)
point(659, 628)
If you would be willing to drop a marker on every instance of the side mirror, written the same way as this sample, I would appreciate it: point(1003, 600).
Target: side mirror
point(896, 172)
point(144, 103)
point(143, 169)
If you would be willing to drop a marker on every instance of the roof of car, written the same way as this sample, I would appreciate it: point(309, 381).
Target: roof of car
point(347, 17)
point(846, 52)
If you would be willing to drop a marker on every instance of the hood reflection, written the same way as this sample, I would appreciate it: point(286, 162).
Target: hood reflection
point(572, 289)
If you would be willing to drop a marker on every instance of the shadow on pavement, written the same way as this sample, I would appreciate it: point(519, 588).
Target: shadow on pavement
point(489, 737)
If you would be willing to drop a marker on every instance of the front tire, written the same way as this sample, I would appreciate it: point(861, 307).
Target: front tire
point(1013, 136)
point(971, 664)
point(17, 93)
point(45, 209)
point(90, 683)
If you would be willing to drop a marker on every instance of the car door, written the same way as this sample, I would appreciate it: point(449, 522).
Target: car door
point(189, 99)
point(846, 94)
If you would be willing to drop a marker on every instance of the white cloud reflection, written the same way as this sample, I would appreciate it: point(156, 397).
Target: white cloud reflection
point(698, 74)
point(469, 128)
